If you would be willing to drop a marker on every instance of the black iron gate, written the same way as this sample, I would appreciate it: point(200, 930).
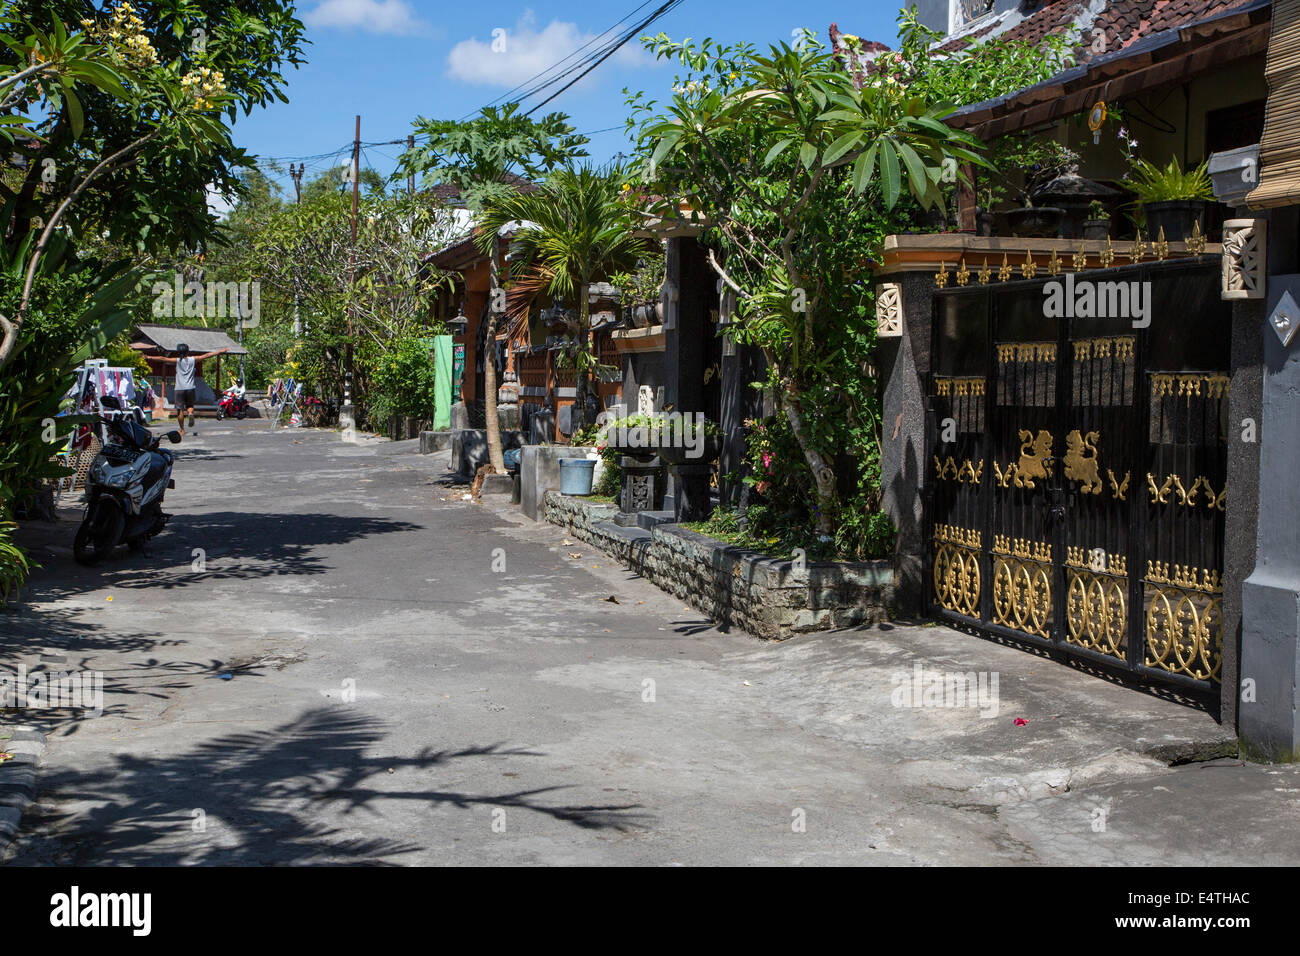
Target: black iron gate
point(1077, 464)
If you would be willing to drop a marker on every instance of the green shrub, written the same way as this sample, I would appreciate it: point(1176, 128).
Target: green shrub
point(402, 383)
point(13, 564)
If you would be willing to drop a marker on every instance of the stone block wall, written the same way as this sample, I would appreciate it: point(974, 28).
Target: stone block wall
point(765, 596)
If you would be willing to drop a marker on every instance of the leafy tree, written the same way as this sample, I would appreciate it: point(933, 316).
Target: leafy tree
point(336, 179)
point(127, 129)
point(481, 158)
point(306, 251)
point(225, 57)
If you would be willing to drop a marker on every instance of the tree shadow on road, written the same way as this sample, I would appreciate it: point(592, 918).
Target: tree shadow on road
point(216, 546)
point(272, 797)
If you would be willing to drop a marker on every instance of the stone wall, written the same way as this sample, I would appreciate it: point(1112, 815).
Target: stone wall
point(735, 588)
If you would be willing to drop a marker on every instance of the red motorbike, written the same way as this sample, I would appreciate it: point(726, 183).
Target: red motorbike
point(232, 406)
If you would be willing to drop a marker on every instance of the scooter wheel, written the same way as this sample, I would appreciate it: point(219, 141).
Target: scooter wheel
point(220, 414)
point(98, 535)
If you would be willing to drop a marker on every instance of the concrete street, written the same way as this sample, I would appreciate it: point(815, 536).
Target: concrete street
point(317, 663)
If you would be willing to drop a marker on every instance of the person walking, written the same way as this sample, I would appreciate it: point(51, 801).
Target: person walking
point(185, 385)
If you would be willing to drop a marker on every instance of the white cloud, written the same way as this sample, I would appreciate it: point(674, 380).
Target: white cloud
point(373, 16)
point(513, 56)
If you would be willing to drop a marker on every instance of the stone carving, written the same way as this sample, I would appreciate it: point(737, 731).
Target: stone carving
point(889, 310)
point(645, 400)
point(1244, 250)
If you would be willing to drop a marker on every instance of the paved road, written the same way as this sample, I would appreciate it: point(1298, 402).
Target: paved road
point(318, 663)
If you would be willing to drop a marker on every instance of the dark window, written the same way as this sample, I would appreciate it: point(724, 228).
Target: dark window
point(1234, 126)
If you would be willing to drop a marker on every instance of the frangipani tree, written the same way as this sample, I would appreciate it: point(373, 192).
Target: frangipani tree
point(120, 116)
point(787, 158)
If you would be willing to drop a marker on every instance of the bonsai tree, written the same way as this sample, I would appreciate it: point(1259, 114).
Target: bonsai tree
point(1022, 167)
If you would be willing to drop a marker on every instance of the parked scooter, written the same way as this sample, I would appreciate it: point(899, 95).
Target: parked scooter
point(233, 404)
point(125, 487)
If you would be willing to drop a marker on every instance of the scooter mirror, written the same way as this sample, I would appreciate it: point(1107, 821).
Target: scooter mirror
point(174, 437)
point(110, 401)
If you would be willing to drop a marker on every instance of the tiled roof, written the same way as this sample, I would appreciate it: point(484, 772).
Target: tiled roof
point(1117, 25)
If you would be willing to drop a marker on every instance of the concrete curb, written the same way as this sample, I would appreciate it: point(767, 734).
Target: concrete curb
point(18, 781)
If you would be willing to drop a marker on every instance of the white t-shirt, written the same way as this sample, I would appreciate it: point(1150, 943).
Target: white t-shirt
point(184, 373)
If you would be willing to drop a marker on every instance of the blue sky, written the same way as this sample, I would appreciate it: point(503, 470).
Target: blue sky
point(391, 60)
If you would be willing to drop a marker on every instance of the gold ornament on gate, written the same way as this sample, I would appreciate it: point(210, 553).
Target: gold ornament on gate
point(1081, 461)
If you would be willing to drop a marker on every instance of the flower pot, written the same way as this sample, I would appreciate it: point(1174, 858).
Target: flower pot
point(983, 223)
point(576, 475)
point(1176, 217)
point(1036, 221)
point(1096, 228)
point(703, 454)
point(645, 314)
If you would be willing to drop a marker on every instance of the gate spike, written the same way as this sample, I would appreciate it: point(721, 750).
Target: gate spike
point(985, 273)
point(1080, 260)
point(1139, 247)
point(1005, 272)
point(1030, 268)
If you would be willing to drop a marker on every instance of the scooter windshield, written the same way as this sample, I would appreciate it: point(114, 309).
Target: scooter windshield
point(132, 432)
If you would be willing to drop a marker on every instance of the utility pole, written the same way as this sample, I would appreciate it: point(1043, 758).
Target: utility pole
point(352, 271)
point(296, 173)
point(410, 177)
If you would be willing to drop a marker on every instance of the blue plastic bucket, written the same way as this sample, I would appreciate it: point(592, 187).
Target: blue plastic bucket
point(575, 475)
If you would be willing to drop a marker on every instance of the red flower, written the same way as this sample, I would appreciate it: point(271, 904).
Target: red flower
point(1020, 721)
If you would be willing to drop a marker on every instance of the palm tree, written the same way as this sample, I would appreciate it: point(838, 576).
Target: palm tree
point(577, 229)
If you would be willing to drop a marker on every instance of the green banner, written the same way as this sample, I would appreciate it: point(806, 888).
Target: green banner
point(442, 382)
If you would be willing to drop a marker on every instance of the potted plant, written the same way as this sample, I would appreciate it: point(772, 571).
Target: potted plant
point(1097, 225)
point(1171, 198)
point(1024, 166)
point(640, 292)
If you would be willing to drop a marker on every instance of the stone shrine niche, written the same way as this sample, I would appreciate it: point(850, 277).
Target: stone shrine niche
point(1244, 251)
point(889, 310)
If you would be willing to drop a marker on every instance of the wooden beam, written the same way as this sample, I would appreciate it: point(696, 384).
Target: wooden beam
point(1066, 99)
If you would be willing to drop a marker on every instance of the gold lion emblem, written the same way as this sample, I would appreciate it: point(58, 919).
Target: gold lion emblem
point(1081, 461)
point(1033, 452)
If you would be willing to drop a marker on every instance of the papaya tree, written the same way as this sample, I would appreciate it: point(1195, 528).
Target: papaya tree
point(484, 158)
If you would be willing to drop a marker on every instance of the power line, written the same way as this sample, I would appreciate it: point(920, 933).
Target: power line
point(504, 97)
point(660, 11)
